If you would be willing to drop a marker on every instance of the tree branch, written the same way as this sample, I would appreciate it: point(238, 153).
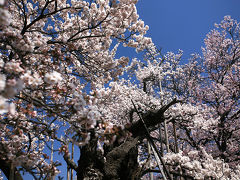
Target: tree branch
point(151, 119)
point(70, 162)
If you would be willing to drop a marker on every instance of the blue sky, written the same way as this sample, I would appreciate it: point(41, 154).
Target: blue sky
point(183, 24)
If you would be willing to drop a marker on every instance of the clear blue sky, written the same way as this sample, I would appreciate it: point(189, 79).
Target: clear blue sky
point(183, 24)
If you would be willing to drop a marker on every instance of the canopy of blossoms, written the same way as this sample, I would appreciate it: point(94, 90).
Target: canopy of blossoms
point(61, 84)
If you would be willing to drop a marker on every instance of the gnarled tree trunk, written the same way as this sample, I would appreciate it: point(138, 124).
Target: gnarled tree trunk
point(120, 163)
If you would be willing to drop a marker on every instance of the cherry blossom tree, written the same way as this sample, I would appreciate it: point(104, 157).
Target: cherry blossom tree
point(61, 83)
point(203, 129)
point(51, 51)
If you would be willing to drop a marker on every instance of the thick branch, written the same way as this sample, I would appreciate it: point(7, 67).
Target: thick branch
point(70, 162)
point(151, 119)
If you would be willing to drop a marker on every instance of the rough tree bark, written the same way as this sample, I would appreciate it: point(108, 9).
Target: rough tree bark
point(120, 161)
point(91, 162)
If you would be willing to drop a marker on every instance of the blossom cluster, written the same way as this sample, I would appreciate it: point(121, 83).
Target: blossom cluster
point(201, 168)
point(59, 71)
